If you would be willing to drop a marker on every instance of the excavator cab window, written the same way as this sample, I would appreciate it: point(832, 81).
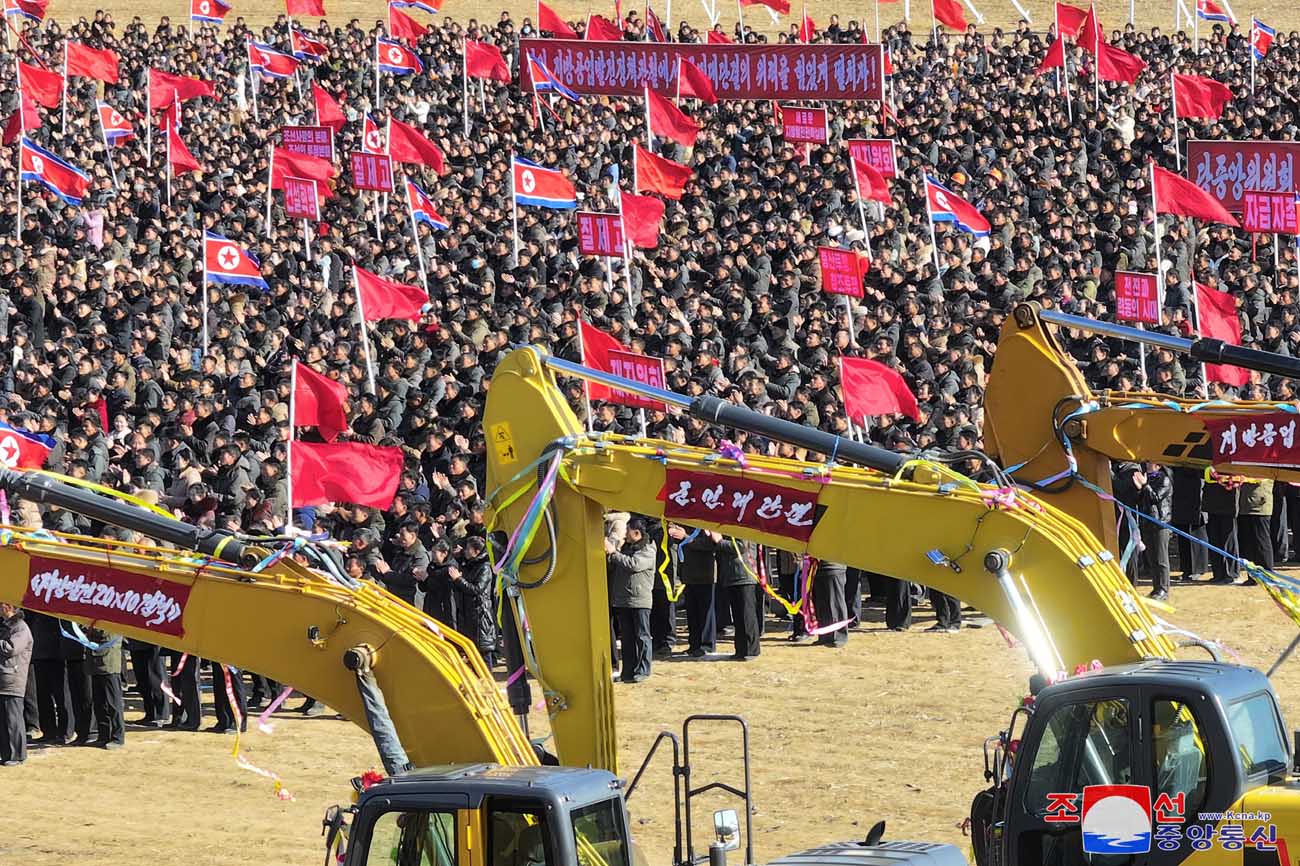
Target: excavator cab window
point(518, 834)
point(1257, 728)
point(600, 834)
point(417, 838)
point(1181, 765)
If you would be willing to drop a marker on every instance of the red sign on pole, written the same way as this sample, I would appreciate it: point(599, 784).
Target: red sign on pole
point(64, 588)
point(1137, 297)
point(372, 171)
point(600, 234)
point(301, 201)
point(876, 152)
point(1269, 212)
point(841, 271)
point(646, 369)
point(309, 140)
point(804, 125)
point(725, 500)
point(1226, 169)
point(1266, 440)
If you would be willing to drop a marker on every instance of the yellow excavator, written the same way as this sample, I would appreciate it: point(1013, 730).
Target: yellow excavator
point(1202, 741)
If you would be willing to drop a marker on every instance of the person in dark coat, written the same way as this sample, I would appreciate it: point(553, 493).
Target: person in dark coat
point(738, 581)
point(150, 677)
point(106, 688)
point(1148, 488)
point(472, 583)
point(53, 699)
point(631, 590)
point(1188, 517)
point(698, 574)
point(408, 565)
point(1219, 497)
point(947, 612)
point(15, 661)
point(439, 599)
point(663, 608)
point(828, 604)
point(185, 684)
point(230, 716)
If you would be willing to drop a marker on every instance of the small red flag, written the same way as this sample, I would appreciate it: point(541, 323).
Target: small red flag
point(643, 217)
point(596, 346)
point(26, 117)
point(286, 163)
point(407, 144)
point(1200, 98)
point(872, 185)
point(1055, 58)
point(1089, 35)
point(717, 37)
point(669, 121)
point(695, 82)
point(319, 402)
point(1070, 19)
point(384, 299)
point(314, 8)
point(328, 111)
point(601, 29)
point(40, 84)
point(178, 154)
point(870, 388)
point(97, 63)
point(1116, 64)
point(1179, 196)
point(807, 27)
point(550, 21)
point(949, 13)
point(164, 87)
point(654, 28)
point(656, 174)
point(403, 26)
point(781, 6)
point(1216, 319)
point(345, 472)
point(485, 60)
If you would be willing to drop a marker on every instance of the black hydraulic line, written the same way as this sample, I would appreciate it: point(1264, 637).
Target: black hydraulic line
point(1219, 352)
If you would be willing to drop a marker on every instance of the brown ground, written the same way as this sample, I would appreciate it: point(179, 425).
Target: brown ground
point(891, 727)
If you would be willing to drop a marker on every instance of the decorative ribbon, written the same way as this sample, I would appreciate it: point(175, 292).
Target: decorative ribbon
point(264, 720)
point(243, 763)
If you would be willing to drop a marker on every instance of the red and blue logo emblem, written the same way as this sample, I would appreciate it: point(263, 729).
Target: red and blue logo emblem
point(1116, 819)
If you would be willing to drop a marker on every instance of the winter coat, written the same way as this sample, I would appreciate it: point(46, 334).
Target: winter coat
point(697, 562)
point(15, 655)
point(632, 575)
point(731, 564)
point(474, 603)
point(1187, 497)
point(1218, 499)
point(1257, 498)
point(408, 567)
point(107, 660)
point(1154, 498)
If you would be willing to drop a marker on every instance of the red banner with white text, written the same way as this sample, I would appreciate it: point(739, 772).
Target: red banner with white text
point(1226, 169)
point(106, 595)
point(725, 500)
point(1262, 440)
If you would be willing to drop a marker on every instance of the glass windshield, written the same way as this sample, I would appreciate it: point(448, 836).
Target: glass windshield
point(413, 839)
point(598, 830)
point(1255, 727)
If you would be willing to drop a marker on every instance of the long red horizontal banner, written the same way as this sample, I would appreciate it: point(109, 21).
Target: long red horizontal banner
point(106, 595)
point(737, 71)
point(1227, 169)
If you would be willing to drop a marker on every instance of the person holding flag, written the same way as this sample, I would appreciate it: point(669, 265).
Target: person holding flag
point(942, 205)
point(422, 212)
point(533, 185)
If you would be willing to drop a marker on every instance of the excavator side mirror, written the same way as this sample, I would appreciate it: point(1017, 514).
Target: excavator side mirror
point(726, 826)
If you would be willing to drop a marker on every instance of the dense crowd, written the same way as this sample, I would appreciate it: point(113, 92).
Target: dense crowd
point(101, 313)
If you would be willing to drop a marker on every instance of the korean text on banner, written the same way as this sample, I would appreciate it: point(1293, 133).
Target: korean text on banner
point(743, 502)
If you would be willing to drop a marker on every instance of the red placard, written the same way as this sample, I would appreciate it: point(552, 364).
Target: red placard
point(1268, 212)
point(1137, 297)
point(724, 500)
point(804, 125)
point(770, 71)
point(1226, 169)
point(841, 271)
point(646, 369)
point(600, 234)
point(301, 201)
point(102, 594)
point(1267, 439)
point(372, 171)
point(310, 140)
point(876, 152)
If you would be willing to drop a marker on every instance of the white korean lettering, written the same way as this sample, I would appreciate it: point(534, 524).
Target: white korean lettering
point(683, 495)
point(797, 514)
point(770, 508)
point(740, 501)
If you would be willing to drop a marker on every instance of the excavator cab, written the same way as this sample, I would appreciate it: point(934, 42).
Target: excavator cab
point(486, 815)
point(1134, 766)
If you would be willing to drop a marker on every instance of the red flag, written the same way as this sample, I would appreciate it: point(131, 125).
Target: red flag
point(40, 84)
point(1200, 98)
point(314, 8)
point(596, 346)
point(1177, 195)
point(949, 13)
point(717, 37)
point(872, 185)
point(319, 402)
point(1070, 20)
point(97, 63)
point(656, 174)
point(870, 388)
point(601, 29)
point(345, 472)
point(286, 163)
point(668, 121)
point(328, 111)
point(888, 55)
point(551, 22)
point(403, 26)
point(695, 82)
point(1089, 34)
point(781, 6)
point(407, 144)
point(1055, 58)
point(807, 27)
point(385, 299)
point(178, 154)
point(1216, 319)
point(26, 117)
point(485, 60)
point(33, 9)
point(642, 217)
point(163, 87)
point(654, 28)
point(1116, 64)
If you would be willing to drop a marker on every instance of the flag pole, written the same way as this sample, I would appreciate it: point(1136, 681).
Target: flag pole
point(64, 131)
point(677, 99)
point(934, 38)
point(270, 188)
point(148, 117)
point(1155, 232)
point(934, 243)
point(740, 19)
point(18, 175)
point(649, 136)
point(170, 132)
point(203, 308)
point(1252, 55)
point(1173, 100)
point(514, 206)
point(877, 20)
point(464, 80)
point(365, 334)
point(862, 208)
point(376, 105)
point(415, 234)
point(288, 445)
point(582, 356)
point(103, 135)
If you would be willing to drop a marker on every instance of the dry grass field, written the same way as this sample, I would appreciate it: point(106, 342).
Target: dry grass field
point(890, 727)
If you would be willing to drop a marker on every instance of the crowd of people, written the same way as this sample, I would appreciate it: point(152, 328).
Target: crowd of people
point(102, 313)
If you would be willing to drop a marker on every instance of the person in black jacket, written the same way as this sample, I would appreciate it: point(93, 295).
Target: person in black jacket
point(53, 699)
point(828, 603)
point(439, 599)
point(738, 581)
point(1149, 489)
point(1188, 517)
point(472, 584)
point(698, 572)
point(1220, 500)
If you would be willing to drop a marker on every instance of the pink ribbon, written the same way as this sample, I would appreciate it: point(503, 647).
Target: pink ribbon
point(264, 720)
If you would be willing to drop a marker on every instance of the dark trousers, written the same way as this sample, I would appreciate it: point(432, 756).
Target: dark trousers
point(264, 690)
point(898, 602)
point(31, 710)
point(226, 717)
point(1155, 555)
point(744, 616)
point(83, 710)
point(947, 610)
point(663, 620)
point(1221, 529)
point(150, 674)
point(1279, 524)
point(53, 700)
point(853, 580)
point(1255, 540)
point(13, 731)
point(701, 628)
point(185, 683)
point(829, 607)
point(721, 611)
point(634, 633)
point(1193, 559)
point(792, 589)
point(109, 708)
point(760, 606)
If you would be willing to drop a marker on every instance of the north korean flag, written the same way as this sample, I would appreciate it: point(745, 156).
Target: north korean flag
point(372, 140)
point(33, 9)
point(1261, 38)
point(948, 207)
point(433, 7)
point(544, 81)
point(116, 127)
point(542, 187)
point(227, 263)
point(208, 11)
point(396, 59)
point(266, 60)
point(1211, 10)
point(422, 209)
point(23, 449)
point(306, 47)
point(61, 178)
